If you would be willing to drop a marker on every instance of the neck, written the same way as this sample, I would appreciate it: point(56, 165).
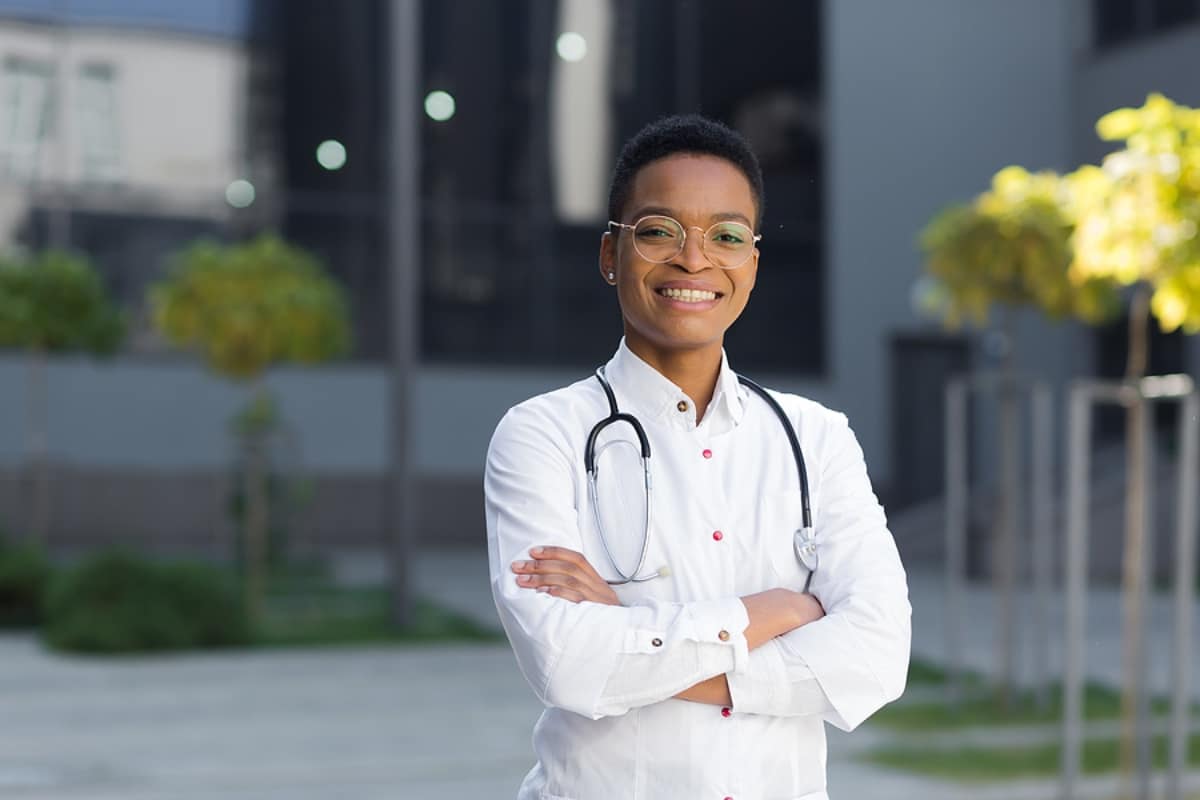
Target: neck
point(694, 370)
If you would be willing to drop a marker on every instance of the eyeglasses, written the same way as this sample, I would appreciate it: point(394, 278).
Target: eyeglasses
point(658, 239)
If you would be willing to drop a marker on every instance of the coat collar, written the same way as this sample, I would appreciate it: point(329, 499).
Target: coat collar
point(643, 390)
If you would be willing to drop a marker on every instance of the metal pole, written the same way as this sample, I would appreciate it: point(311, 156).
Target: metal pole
point(1005, 546)
point(59, 216)
point(1141, 728)
point(1185, 578)
point(1075, 617)
point(405, 285)
point(956, 528)
point(1042, 489)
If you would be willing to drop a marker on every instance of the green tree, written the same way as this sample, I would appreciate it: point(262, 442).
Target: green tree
point(245, 307)
point(52, 302)
point(1137, 218)
point(1011, 246)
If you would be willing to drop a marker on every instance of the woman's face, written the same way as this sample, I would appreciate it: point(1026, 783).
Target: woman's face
point(697, 190)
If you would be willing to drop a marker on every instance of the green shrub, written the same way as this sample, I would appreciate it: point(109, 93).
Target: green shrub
point(116, 602)
point(24, 574)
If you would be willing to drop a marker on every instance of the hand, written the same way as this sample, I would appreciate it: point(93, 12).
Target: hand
point(776, 612)
point(563, 573)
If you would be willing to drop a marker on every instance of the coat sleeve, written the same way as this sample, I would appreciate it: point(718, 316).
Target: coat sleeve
point(592, 659)
point(858, 653)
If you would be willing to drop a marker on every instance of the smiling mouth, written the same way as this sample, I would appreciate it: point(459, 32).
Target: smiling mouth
point(689, 295)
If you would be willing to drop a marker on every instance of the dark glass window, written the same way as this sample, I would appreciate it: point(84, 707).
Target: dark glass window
point(1116, 22)
point(515, 183)
point(1169, 13)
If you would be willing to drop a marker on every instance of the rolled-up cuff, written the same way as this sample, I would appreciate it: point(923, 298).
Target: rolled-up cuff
point(724, 623)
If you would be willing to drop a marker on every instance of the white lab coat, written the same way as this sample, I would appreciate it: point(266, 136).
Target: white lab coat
point(726, 502)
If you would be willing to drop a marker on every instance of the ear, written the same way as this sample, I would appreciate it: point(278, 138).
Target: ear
point(608, 256)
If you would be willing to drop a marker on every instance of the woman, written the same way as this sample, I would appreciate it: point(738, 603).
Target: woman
point(695, 651)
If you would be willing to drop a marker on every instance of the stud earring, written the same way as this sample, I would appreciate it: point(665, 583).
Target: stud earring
point(612, 276)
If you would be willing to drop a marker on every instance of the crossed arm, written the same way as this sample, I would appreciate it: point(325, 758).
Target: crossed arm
point(599, 659)
point(566, 574)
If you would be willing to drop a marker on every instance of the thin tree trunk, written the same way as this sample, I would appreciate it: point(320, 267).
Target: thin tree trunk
point(38, 446)
point(1133, 563)
point(257, 520)
point(1004, 534)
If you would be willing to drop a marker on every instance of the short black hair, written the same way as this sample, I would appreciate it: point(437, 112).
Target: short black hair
point(684, 133)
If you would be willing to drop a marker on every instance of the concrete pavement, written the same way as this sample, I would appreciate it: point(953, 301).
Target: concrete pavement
point(444, 722)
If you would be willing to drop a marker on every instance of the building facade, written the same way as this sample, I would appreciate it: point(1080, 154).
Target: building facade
point(868, 116)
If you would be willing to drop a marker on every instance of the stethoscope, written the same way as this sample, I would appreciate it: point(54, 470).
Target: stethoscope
point(804, 540)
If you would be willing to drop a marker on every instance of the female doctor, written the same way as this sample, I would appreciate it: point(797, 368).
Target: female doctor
point(686, 641)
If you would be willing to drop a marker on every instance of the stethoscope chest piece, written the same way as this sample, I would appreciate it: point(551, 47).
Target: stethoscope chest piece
point(804, 542)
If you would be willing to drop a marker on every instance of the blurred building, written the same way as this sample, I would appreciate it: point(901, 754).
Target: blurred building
point(129, 127)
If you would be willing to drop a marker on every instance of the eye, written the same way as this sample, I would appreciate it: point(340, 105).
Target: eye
point(729, 234)
point(657, 229)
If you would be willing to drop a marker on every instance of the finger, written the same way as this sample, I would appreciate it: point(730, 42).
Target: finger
point(569, 556)
point(551, 579)
point(546, 566)
point(564, 586)
point(558, 554)
point(565, 593)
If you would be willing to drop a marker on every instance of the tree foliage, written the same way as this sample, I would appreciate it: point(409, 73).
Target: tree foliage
point(249, 305)
point(1012, 246)
point(55, 301)
point(1137, 215)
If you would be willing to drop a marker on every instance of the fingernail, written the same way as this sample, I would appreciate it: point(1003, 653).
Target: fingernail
point(537, 551)
point(520, 564)
point(543, 588)
point(524, 578)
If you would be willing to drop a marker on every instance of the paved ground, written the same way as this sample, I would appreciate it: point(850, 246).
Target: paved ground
point(449, 723)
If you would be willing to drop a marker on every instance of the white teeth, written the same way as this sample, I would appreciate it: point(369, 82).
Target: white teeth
point(688, 295)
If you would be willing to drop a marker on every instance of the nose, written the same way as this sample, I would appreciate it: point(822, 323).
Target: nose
point(692, 257)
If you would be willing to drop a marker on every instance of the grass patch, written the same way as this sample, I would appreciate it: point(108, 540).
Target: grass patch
point(983, 707)
point(1005, 763)
point(323, 614)
point(925, 673)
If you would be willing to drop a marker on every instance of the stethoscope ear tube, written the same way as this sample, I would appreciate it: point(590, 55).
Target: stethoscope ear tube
point(797, 454)
point(589, 453)
point(805, 539)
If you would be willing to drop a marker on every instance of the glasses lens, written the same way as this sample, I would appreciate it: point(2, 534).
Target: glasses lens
point(658, 238)
point(728, 244)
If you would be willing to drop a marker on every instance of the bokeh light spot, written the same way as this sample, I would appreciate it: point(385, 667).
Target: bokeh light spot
point(239, 193)
point(571, 46)
point(331, 154)
point(439, 105)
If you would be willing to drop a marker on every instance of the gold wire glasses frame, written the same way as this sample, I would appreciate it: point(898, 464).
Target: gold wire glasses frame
point(659, 238)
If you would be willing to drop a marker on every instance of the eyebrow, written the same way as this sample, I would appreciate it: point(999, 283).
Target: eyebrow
point(721, 216)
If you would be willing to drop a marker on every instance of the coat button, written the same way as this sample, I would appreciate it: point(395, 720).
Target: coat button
point(682, 405)
point(707, 453)
point(718, 536)
point(723, 636)
point(656, 642)
point(726, 712)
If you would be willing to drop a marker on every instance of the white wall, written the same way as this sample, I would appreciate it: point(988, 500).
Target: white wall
point(926, 100)
point(1168, 63)
point(178, 101)
point(171, 414)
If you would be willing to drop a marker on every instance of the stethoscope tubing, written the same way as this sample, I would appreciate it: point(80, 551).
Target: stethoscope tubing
point(805, 546)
